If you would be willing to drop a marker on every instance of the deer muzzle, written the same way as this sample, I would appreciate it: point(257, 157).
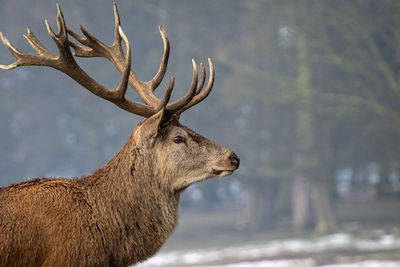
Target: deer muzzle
point(229, 165)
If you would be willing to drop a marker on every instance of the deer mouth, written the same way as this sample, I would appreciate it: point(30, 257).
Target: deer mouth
point(222, 173)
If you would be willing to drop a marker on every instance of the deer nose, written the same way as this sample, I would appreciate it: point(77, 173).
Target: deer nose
point(235, 161)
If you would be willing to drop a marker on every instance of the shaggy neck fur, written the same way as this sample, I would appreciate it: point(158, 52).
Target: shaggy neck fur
point(140, 212)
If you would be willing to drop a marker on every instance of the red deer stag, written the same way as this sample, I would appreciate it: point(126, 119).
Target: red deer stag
point(123, 212)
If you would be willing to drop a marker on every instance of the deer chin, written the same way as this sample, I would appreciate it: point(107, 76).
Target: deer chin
point(181, 185)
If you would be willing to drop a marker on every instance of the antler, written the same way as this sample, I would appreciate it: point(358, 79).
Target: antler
point(90, 46)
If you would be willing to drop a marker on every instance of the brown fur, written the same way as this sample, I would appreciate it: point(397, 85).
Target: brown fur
point(118, 215)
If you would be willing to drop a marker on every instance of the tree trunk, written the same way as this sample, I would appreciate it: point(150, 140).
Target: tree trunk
point(384, 183)
point(325, 216)
point(301, 213)
point(311, 159)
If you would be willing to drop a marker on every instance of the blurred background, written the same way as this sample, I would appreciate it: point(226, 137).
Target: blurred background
point(307, 93)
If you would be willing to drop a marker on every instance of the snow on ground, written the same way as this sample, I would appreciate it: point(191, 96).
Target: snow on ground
point(307, 263)
point(369, 263)
point(248, 255)
point(274, 263)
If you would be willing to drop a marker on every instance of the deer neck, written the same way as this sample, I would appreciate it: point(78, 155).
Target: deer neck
point(129, 196)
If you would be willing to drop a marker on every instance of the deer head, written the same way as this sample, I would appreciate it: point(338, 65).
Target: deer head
point(185, 156)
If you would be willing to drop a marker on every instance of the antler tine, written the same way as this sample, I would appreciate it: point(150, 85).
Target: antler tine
point(125, 76)
point(80, 50)
point(180, 103)
point(201, 96)
point(167, 95)
point(117, 37)
point(202, 79)
point(60, 38)
point(14, 51)
point(36, 44)
point(60, 23)
point(156, 80)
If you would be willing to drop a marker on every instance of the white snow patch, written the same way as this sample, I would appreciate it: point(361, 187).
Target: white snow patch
point(253, 252)
point(369, 263)
point(274, 263)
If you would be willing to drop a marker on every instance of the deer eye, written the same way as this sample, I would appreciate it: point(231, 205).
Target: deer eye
point(179, 139)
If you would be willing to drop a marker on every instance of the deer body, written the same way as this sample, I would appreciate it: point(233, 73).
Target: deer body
point(123, 212)
point(64, 222)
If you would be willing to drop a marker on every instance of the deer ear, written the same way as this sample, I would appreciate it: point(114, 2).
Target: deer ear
point(151, 127)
